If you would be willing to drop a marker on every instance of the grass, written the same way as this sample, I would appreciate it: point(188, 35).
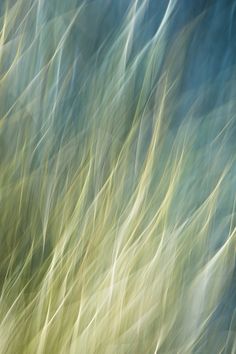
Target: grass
point(117, 215)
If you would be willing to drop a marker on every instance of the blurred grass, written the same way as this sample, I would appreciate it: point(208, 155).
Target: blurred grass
point(117, 225)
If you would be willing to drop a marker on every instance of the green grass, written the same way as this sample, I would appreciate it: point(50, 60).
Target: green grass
point(117, 227)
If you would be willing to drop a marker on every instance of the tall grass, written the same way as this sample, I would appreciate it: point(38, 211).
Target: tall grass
point(117, 185)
